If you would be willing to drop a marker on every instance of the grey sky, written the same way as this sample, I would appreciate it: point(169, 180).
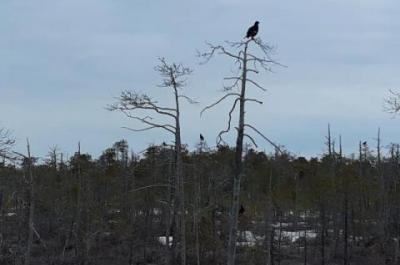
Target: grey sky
point(63, 61)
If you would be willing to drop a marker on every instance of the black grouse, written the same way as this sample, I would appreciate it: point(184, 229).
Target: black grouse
point(201, 137)
point(241, 210)
point(252, 31)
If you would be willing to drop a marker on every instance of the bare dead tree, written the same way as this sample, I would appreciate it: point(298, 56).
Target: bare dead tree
point(31, 205)
point(143, 108)
point(392, 102)
point(81, 216)
point(52, 157)
point(6, 142)
point(247, 63)
point(28, 162)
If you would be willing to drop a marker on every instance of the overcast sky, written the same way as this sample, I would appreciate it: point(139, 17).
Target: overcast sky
point(62, 62)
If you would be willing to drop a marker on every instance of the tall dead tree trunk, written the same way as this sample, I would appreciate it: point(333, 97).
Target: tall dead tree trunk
point(338, 192)
point(169, 209)
point(329, 141)
point(323, 231)
point(346, 226)
point(31, 205)
point(196, 211)
point(305, 246)
point(269, 232)
point(180, 194)
point(81, 213)
point(196, 208)
point(242, 57)
point(238, 173)
point(128, 103)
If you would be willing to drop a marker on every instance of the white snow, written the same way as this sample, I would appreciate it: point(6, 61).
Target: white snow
point(11, 214)
point(247, 238)
point(163, 240)
point(293, 236)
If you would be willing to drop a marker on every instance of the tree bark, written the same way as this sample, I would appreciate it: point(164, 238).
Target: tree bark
point(233, 218)
point(196, 211)
point(31, 207)
point(81, 215)
point(323, 230)
point(269, 232)
point(180, 194)
point(346, 232)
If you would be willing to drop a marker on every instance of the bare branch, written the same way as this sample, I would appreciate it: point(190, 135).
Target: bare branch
point(265, 138)
point(146, 129)
point(392, 103)
point(252, 58)
point(38, 236)
point(263, 62)
point(254, 100)
point(131, 100)
point(20, 155)
point(252, 70)
point(256, 84)
point(234, 84)
point(218, 101)
point(252, 140)
point(265, 47)
point(167, 127)
point(6, 142)
point(219, 137)
point(190, 100)
point(238, 44)
point(172, 73)
point(213, 49)
point(233, 78)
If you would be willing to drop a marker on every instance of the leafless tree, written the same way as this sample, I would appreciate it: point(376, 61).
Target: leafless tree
point(6, 142)
point(143, 108)
point(392, 102)
point(248, 64)
point(28, 162)
point(52, 157)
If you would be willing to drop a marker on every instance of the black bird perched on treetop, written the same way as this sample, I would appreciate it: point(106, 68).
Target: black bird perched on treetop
point(201, 137)
point(252, 31)
point(241, 210)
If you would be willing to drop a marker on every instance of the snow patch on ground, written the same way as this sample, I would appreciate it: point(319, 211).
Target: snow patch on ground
point(163, 240)
point(10, 214)
point(249, 239)
point(293, 236)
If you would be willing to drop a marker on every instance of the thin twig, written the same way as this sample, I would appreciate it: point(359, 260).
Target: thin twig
point(190, 100)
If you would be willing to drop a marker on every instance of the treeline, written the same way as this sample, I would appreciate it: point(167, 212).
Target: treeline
point(116, 209)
